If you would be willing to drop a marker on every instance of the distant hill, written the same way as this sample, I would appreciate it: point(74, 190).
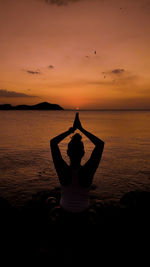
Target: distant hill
point(40, 106)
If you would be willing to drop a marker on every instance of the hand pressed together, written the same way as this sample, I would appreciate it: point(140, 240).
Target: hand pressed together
point(77, 123)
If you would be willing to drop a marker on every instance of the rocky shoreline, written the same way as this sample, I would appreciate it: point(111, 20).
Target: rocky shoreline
point(40, 231)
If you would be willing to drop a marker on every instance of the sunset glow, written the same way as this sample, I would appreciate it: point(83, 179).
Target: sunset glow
point(90, 54)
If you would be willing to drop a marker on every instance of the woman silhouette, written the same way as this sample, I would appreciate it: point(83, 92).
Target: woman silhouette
point(75, 179)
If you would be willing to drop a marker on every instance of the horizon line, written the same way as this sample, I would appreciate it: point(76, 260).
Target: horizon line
point(86, 109)
point(109, 109)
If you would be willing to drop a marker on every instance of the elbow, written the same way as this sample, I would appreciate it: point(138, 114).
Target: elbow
point(51, 142)
point(100, 144)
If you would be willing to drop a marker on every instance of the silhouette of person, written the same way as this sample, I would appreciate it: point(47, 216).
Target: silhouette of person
point(76, 179)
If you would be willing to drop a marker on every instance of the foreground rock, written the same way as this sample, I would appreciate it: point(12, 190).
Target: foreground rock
point(44, 208)
point(42, 232)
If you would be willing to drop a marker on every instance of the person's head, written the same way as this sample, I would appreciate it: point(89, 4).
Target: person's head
point(75, 149)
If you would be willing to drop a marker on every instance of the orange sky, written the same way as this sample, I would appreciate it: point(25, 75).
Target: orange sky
point(47, 53)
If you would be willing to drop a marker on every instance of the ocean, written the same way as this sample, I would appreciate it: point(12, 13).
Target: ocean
point(26, 165)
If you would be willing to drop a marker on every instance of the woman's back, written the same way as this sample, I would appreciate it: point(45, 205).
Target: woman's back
point(74, 197)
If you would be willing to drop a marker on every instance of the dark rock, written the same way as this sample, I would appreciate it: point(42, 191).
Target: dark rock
point(136, 199)
point(4, 204)
point(55, 215)
point(51, 202)
point(93, 186)
point(40, 106)
point(6, 107)
point(41, 230)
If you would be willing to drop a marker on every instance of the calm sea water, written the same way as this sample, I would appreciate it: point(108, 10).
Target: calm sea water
point(26, 165)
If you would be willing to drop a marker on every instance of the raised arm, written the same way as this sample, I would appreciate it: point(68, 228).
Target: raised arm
point(91, 165)
point(56, 140)
point(59, 163)
point(95, 140)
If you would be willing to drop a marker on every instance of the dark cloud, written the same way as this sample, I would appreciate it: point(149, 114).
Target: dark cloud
point(120, 82)
point(118, 77)
point(33, 72)
point(118, 71)
point(51, 67)
point(6, 93)
point(114, 71)
point(60, 2)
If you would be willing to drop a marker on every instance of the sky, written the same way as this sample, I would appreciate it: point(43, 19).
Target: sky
point(86, 54)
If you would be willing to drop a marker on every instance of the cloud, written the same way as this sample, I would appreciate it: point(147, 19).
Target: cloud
point(117, 78)
point(6, 93)
point(114, 71)
point(118, 71)
point(51, 67)
point(33, 72)
point(60, 2)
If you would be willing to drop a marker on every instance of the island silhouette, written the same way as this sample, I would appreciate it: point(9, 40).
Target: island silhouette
point(40, 106)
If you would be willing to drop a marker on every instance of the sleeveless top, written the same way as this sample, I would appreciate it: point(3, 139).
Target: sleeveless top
point(74, 197)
